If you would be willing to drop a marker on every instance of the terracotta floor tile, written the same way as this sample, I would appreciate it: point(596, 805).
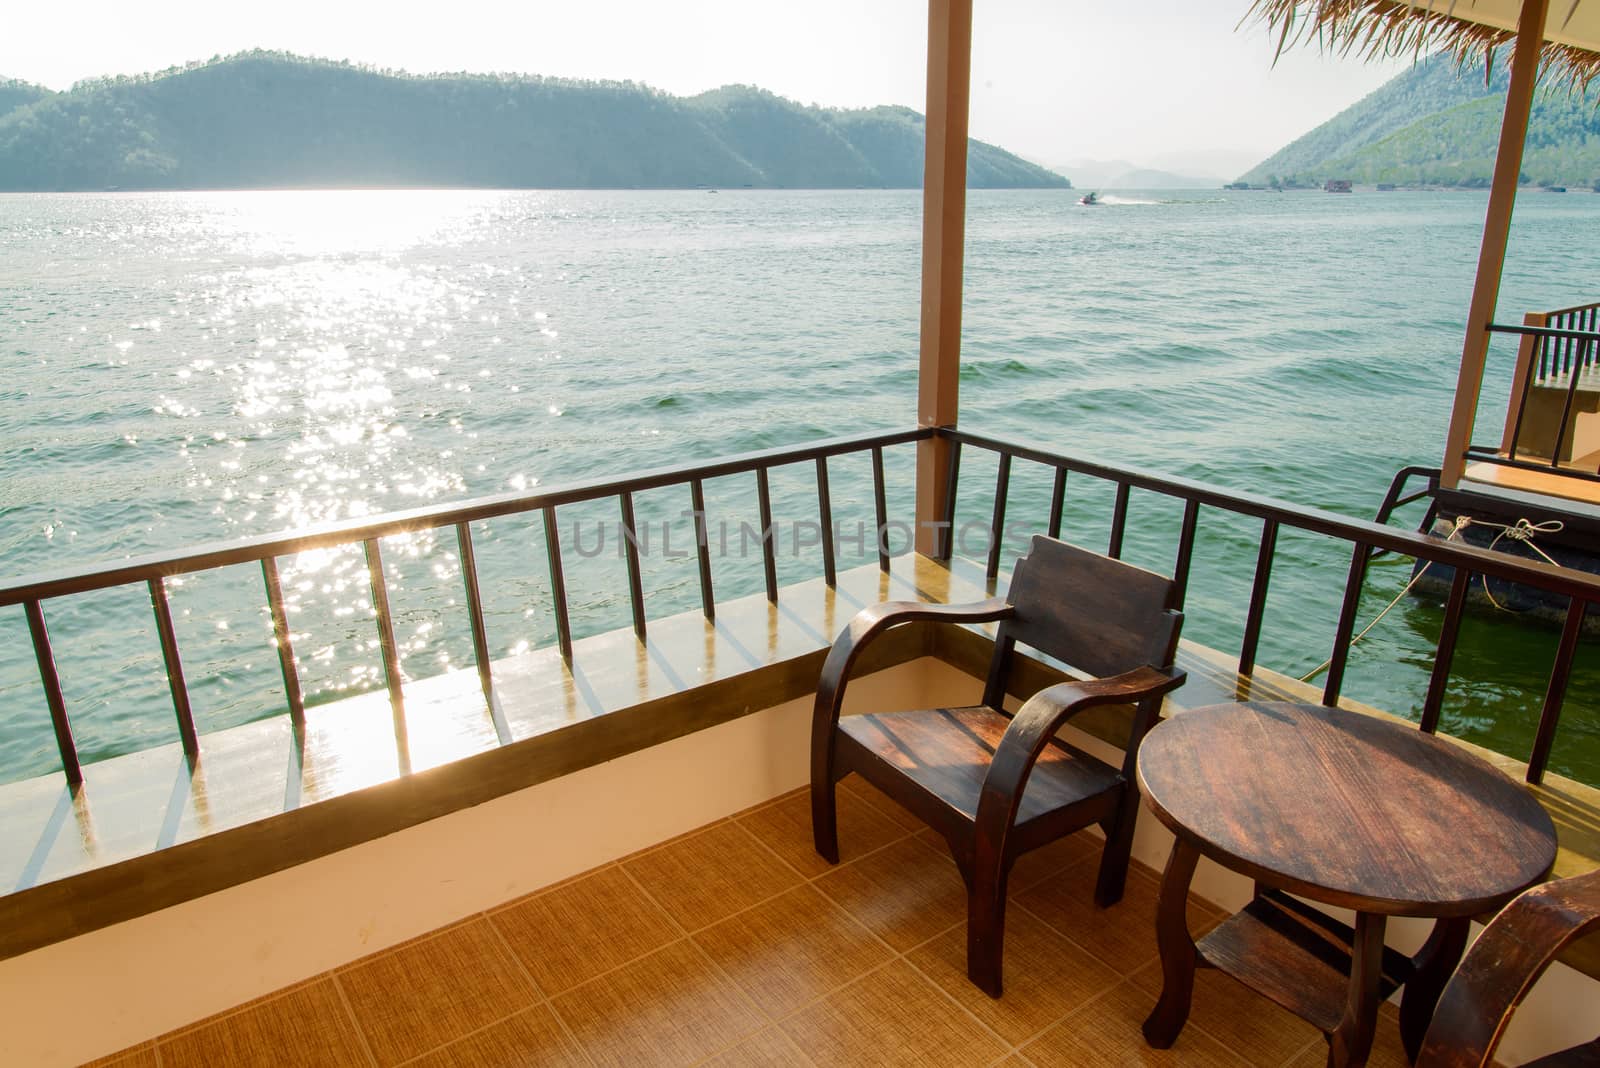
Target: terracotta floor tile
point(1033, 868)
point(1045, 976)
point(586, 926)
point(765, 945)
point(764, 1049)
point(1123, 936)
point(307, 1026)
point(533, 1036)
point(889, 1017)
point(709, 876)
point(426, 993)
point(1387, 1050)
point(792, 950)
point(672, 1007)
point(855, 786)
point(1106, 1034)
point(785, 827)
point(904, 893)
point(138, 1057)
point(1256, 1028)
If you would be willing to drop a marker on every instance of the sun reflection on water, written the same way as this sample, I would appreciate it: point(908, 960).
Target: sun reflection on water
point(320, 222)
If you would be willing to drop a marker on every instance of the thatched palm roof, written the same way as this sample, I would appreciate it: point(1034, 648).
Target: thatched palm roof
point(1470, 29)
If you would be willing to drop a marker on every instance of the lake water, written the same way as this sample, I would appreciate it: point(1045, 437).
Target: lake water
point(185, 368)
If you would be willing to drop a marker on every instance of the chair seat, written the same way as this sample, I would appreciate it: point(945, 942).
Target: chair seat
point(947, 751)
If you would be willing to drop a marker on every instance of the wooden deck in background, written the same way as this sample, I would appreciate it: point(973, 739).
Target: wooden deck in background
point(1550, 483)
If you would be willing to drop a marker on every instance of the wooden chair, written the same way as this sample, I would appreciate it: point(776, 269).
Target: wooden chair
point(1500, 969)
point(996, 785)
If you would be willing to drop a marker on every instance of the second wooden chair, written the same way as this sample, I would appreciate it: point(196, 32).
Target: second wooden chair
point(997, 785)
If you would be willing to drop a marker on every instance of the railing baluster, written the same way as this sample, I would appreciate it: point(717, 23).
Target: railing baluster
point(1058, 501)
point(880, 508)
point(1347, 624)
point(769, 552)
point(169, 655)
point(1555, 694)
point(947, 537)
point(389, 650)
point(1573, 377)
point(558, 583)
point(630, 549)
point(280, 637)
point(1445, 653)
point(1180, 569)
point(997, 525)
point(52, 693)
point(1258, 597)
point(825, 508)
point(480, 636)
point(702, 546)
point(1522, 403)
point(1119, 522)
point(1566, 345)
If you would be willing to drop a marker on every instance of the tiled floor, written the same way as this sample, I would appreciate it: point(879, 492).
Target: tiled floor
point(737, 945)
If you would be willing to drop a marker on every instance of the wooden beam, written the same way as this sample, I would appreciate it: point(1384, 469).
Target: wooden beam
point(944, 211)
point(1496, 229)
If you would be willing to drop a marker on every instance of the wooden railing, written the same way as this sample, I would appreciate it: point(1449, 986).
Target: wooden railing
point(1364, 539)
point(153, 571)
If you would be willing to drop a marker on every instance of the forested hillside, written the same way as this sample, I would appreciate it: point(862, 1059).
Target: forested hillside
point(264, 120)
point(1435, 125)
point(14, 94)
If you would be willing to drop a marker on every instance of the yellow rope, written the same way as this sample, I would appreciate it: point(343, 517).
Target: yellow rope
point(1460, 525)
point(1522, 530)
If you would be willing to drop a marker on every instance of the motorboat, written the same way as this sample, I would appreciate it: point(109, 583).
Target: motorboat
point(1089, 200)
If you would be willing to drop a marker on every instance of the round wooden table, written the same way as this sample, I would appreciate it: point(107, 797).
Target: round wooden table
point(1345, 809)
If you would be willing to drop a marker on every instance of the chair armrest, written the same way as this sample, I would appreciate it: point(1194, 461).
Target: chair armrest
point(1037, 721)
point(868, 624)
point(1502, 966)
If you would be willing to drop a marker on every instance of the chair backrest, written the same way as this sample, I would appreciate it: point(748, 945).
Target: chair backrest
point(1098, 615)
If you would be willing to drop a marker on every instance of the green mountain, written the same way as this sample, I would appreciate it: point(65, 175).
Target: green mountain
point(1434, 125)
point(264, 120)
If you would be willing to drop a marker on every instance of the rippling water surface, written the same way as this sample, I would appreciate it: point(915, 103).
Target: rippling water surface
point(186, 368)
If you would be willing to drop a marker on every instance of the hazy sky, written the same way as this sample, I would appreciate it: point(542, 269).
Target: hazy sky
point(1154, 82)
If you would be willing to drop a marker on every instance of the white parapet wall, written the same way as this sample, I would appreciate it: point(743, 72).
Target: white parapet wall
point(124, 984)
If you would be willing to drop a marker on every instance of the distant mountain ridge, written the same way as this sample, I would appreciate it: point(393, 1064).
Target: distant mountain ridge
point(1120, 174)
point(1435, 125)
point(267, 120)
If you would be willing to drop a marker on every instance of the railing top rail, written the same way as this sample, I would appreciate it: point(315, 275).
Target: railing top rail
point(106, 575)
point(1544, 331)
point(1575, 308)
point(1314, 520)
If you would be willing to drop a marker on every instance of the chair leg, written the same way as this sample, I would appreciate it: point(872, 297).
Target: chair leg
point(825, 818)
point(986, 928)
point(1119, 846)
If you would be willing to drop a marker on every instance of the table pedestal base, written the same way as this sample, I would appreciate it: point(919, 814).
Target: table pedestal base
point(1323, 971)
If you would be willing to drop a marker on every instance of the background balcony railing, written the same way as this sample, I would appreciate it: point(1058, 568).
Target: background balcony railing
point(1552, 421)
